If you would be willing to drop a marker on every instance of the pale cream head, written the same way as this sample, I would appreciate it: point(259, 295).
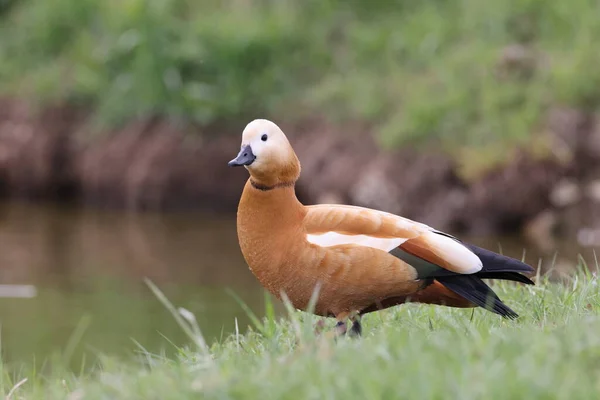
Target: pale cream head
point(267, 154)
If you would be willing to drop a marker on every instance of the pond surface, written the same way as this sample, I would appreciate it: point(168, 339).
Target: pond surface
point(84, 273)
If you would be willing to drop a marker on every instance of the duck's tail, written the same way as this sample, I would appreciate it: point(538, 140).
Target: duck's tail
point(495, 266)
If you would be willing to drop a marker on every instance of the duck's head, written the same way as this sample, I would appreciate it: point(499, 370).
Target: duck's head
point(267, 155)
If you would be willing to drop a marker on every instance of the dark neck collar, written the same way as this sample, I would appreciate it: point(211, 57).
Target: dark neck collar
point(266, 188)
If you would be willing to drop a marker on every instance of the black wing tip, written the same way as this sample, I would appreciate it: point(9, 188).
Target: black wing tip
point(498, 307)
point(507, 276)
point(472, 288)
point(498, 262)
point(505, 311)
point(510, 316)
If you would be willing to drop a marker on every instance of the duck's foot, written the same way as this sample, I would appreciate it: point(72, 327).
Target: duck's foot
point(340, 328)
point(356, 329)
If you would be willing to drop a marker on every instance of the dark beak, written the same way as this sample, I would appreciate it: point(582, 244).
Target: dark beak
point(245, 157)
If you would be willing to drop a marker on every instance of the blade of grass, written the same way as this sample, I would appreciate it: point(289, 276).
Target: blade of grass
point(15, 388)
point(253, 318)
point(270, 323)
point(194, 334)
point(75, 339)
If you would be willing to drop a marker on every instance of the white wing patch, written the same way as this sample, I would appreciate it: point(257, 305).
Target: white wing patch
point(333, 239)
point(455, 253)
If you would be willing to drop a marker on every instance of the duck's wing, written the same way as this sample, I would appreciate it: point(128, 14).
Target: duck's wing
point(426, 249)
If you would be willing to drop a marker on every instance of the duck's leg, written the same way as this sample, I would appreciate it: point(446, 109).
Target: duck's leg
point(341, 328)
point(356, 329)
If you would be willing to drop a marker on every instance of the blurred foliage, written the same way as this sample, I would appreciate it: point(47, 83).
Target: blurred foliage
point(5, 5)
point(456, 72)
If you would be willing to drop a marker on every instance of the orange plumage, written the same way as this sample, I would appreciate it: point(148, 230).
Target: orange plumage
point(361, 259)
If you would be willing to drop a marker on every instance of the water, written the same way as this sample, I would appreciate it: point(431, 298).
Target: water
point(89, 265)
point(86, 270)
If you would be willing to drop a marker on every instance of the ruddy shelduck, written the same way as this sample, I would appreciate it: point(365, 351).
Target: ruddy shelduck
point(361, 260)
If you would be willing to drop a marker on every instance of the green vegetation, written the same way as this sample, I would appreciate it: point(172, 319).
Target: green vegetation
point(456, 72)
point(412, 351)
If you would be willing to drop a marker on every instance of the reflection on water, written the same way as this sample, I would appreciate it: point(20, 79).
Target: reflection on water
point(86, 263)
point(89, 264)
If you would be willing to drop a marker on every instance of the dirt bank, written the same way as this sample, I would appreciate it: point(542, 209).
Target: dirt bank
point(157, 164)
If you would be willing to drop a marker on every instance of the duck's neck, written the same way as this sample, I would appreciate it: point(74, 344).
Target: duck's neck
point(268, 207)
point(268, 217)
point(267, 187)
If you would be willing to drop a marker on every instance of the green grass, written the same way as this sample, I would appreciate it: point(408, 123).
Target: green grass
point(413, 351)
point(431, 71)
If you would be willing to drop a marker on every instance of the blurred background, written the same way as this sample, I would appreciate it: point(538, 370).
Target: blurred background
point(117, 119)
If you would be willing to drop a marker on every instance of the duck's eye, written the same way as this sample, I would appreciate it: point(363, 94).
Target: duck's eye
point(264, 137)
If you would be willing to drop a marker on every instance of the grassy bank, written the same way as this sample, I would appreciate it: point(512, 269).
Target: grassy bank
point(424, 352)
point(460, 73)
